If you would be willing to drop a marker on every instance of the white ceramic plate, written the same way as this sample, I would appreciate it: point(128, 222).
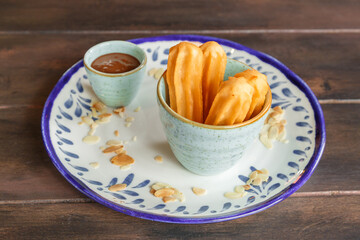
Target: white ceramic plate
point(290, 165)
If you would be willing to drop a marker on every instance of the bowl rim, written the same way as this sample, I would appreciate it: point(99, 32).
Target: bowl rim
point(138, 68)
point(264, 110)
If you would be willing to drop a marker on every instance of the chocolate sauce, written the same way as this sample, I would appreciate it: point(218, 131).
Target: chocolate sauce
point(115, 63)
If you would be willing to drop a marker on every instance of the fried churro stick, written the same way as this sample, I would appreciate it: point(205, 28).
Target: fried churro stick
point(259, 82)
point(231, 103)
point(213, 72)
point(184, 79)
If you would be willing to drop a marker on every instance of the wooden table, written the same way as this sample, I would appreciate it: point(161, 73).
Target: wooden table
point(39, 40)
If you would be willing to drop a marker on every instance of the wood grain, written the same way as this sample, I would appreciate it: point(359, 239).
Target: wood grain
point(295, 218)
point(177, 15)
point(342, 154)
point(26, 169)
point(30, 66)
point(28, 174)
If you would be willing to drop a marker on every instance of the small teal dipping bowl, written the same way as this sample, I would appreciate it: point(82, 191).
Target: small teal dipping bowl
point(115, 89)
point(207, 149)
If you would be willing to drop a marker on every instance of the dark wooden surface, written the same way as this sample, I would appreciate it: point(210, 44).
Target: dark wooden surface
point(39, 40)
point(168, 15)
point(296, 218)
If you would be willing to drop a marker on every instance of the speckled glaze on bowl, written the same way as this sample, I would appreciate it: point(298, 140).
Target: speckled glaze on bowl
point(206, 149)
point(115, 89)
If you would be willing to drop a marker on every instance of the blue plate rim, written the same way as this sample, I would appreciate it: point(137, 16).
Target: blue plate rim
point(320, 137)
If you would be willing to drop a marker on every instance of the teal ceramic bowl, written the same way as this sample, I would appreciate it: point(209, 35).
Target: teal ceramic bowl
point(115, 89)
point(206, 149)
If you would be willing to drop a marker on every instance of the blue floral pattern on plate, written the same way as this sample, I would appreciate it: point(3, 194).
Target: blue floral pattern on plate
point(286, 162)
